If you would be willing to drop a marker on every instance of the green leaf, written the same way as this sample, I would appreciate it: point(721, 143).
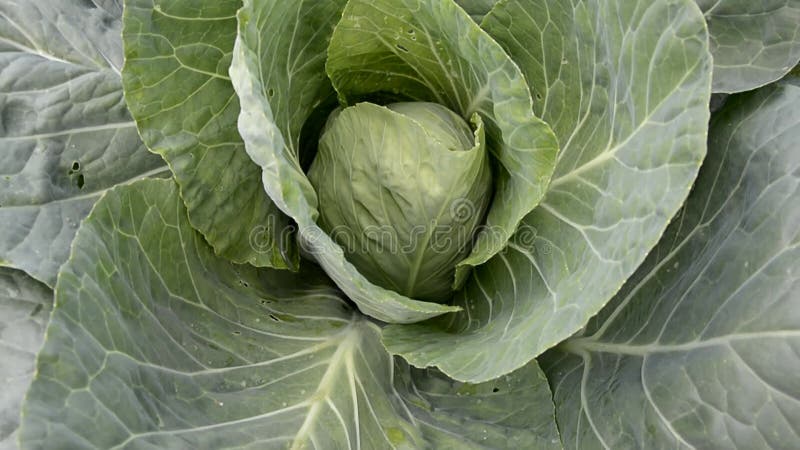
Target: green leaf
point(699, 349)
point(65, 134)
point(753, 43)
point(625, 85)
point(177, 86)
point(157, 342)
point(476, 9)
point(430, 50)
point(24, 309)
point(275, 103)
point(510, 412)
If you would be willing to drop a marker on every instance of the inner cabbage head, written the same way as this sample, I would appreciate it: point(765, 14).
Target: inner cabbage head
point(403, 188)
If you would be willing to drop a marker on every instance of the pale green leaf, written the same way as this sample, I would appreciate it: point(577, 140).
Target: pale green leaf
point(753, 42)
point(65, 133)
point(279, 78)
point(156, 342)
point(625, 86)
point(24, 309)
point(177, 87)
point(700, 348)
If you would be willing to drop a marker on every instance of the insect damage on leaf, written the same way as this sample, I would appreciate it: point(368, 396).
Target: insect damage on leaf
point(399, 224)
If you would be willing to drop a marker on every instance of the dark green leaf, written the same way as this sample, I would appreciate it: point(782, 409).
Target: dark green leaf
point(476, 9)
point(177, 86)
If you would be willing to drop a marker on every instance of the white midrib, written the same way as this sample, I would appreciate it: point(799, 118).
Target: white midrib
point(339, 361)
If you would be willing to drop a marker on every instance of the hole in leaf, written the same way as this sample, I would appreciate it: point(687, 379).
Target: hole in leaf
point(496, 390)
point(272, 316)
point(76, 166)
point(237, 333)
point(402, 48)
point(271, 92)
point(79, 181)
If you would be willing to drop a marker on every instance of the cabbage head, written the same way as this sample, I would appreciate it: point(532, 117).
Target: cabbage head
point(399, 224)
point(417, 187)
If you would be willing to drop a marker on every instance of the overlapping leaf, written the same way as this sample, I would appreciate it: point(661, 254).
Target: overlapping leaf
point(700, 349)
point(753, 43)
point(24, 309)
point(176, 83)
point(476, 9)
point(280, 79)
point(625, 86)
point(65, 134)
point(157, 342)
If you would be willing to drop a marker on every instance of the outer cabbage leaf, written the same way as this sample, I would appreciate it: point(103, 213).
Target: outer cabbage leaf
point(65, 133)
point(157, 342)
point(279, 77)
point(625, 86)
point(177, 87)
point(753, 43)
point(430, 50)
point(700, 348)
point(510, 412)
point(24, 309)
